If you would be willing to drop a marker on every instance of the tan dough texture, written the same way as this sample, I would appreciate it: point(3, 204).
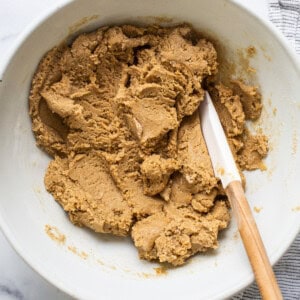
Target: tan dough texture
point(116, 110)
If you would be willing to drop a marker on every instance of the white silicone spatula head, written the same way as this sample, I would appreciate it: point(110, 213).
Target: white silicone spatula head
point(221, 156)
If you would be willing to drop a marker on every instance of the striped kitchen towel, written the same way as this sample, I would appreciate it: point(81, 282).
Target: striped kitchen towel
point(285, 14)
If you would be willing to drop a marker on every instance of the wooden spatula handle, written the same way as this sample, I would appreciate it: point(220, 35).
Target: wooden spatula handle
point(255, 249)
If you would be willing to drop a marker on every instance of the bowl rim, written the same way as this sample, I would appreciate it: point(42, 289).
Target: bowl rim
point(25, 33)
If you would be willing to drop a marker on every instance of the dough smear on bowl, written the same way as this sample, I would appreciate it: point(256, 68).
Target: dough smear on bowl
point(117, 112)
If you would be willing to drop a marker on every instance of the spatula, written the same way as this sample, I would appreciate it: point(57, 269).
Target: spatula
point(225, 168)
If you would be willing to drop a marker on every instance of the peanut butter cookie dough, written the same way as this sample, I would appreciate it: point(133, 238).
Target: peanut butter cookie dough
point(117, 112)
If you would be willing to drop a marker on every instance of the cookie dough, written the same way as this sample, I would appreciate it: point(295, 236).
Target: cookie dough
point(117, 112)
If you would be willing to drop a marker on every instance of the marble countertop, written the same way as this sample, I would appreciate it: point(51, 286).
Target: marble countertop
point(17, 279)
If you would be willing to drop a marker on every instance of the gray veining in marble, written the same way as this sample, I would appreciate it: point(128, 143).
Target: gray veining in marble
point(8, 290)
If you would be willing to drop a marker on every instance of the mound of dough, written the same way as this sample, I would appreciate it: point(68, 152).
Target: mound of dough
point(117, 112)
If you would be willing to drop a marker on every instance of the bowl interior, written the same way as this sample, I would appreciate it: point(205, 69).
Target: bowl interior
point(88, 265)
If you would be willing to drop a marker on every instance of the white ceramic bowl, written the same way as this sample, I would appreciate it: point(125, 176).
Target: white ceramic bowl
point(112, 269)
